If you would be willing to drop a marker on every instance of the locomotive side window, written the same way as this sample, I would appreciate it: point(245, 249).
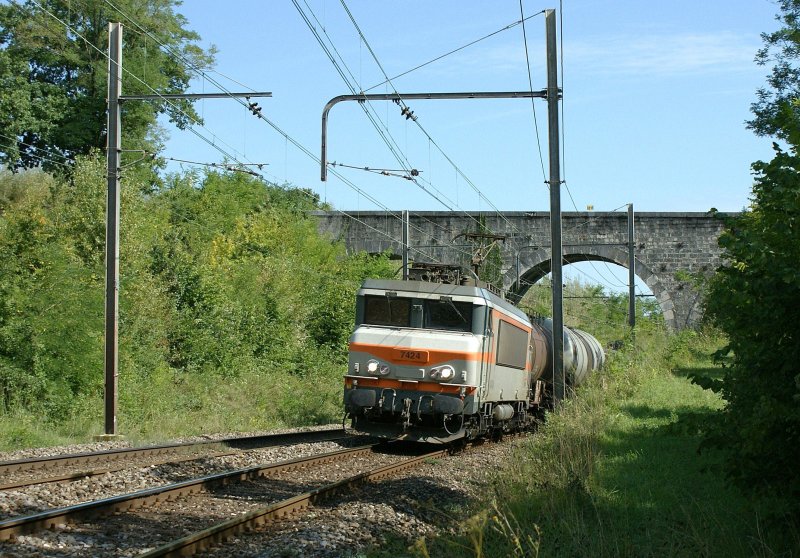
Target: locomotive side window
point(512, 346)
point(381, 310)
point(447, 314)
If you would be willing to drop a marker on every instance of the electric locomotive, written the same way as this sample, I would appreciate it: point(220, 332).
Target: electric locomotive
point(437, 361)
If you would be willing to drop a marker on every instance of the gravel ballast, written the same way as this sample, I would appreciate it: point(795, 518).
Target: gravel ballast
point(419, 503)
point(414, 504)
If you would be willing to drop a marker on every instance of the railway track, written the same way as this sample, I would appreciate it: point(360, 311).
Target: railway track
point(221, 532)
point(166, 509)
point(71, 467)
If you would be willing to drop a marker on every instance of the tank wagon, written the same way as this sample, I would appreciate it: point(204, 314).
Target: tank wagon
point(437, 362)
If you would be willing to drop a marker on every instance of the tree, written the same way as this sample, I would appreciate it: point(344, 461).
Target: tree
point(54, 67)
point(755, 297)
point(755, 300)
point(50, 290)
point(776, 103)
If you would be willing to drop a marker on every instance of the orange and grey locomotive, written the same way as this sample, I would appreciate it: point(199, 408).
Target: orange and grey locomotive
point(437, 362)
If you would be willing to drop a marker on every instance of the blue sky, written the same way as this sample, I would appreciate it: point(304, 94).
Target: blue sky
point(655, 99)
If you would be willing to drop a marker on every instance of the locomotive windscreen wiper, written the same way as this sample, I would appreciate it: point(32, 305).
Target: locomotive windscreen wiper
point(389, 306)
point(389, 296)
point(449, 300)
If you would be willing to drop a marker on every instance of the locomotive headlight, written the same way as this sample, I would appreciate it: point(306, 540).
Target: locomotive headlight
point(383, 369)
point(446, 373)
point(372, 366)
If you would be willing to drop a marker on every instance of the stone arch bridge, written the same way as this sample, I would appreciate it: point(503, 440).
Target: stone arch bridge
point(670, 248)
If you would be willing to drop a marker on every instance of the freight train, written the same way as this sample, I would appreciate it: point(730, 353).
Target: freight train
point(441, 357)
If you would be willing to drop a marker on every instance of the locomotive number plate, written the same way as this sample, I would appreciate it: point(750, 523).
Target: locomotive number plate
point(411, 355)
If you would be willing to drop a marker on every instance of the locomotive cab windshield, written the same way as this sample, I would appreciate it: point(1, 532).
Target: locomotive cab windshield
point(446, 314)
point(438, 313)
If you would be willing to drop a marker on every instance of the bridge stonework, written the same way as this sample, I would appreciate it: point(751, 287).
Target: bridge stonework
point(670, 248)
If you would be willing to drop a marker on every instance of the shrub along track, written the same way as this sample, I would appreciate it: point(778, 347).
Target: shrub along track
point(135, 522)
point(65, 468)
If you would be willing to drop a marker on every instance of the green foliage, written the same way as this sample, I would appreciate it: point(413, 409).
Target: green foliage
point(754, 299)
point(226, 288)
point(50, 300)
point(614, 472)
point(776, 109)
point(333, 313)
point(234, 312)
point(590, 307)
point(55, 84)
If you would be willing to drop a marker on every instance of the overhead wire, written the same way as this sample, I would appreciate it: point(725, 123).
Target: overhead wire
point(341, 66)
point(374, 201)
point(416, 121)
point(222, 166)
point(605, 280)
point(79, 35)
point(211, 80)
point(38, 157)
point(397, 173)
point(617, 282)
point(371, 199)
point(530, 85)
point(471, 43)
point(430, 257)
point(382, 130)
point(366, 107)
point(345, 180)
point(214, 82)
point(338, 65)
point(396, 150)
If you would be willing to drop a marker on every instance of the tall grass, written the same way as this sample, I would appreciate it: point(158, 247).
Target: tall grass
point(616, 471)
point(171, 405)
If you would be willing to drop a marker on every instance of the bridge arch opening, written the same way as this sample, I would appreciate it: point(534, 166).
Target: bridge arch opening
point(597, 260)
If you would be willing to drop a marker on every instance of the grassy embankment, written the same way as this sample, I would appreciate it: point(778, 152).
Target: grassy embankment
point(617, 472)
point(166, 408)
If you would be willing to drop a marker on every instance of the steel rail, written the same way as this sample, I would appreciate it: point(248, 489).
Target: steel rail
point(202, 540)
point(78, 475)
point(268, 440)
point(13, 527)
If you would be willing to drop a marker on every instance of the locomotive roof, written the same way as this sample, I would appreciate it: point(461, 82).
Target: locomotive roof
point(427, 287)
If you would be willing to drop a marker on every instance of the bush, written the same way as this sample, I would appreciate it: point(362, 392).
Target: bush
point(231, 303)
point(755, 300)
